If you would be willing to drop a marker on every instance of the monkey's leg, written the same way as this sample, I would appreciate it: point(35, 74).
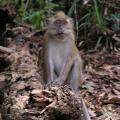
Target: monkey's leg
point(74, 78)
point(61, 78)
point(75, 75)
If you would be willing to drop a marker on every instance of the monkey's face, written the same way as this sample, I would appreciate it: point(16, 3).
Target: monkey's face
point(60, 26)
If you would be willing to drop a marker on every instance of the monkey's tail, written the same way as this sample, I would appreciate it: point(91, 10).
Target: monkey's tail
point(85, 111)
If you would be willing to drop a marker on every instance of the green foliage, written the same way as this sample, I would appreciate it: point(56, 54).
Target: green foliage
point(34, 16)
point(115, 18)
point(94, 22)
point(34, 12)
point(4, 2)
point(21, 10)
point(93, 14)
point(72, 7)
point(91, 24)
point(84, 21)
point(49, 7)
point(99, 18)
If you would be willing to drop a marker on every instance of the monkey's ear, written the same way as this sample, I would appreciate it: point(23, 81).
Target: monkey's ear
point(71, 21)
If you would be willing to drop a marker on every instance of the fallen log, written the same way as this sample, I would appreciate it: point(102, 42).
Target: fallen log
point(26, 98)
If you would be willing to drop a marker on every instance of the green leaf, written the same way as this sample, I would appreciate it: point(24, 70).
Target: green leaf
point(72, 7)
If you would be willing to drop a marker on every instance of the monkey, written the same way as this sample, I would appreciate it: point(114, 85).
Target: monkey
point(62, 62)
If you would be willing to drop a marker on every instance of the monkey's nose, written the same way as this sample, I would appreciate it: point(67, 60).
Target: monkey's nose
point(60, 30)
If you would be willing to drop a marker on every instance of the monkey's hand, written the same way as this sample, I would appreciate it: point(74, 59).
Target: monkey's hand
point(49, 83)
point(54, 83)
point(58, 81)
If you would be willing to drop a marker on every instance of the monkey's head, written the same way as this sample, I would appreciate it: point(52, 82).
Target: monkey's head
point(60, 24)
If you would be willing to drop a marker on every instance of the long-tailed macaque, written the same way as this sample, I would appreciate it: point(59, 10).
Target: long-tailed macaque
point(62, 62)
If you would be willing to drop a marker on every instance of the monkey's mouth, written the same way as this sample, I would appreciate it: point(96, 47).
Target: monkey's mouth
point(60, 33)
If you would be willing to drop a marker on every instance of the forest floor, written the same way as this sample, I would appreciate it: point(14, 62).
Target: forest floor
point(101, 89)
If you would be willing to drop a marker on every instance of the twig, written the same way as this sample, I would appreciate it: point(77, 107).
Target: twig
point(17, 23)
point(6, 50)
point(76, 22)
point(116, 38)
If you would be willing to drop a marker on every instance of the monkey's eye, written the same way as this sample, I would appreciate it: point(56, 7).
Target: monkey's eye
point(60, 22)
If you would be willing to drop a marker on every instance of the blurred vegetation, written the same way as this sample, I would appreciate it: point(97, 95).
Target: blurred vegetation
point(96, 21)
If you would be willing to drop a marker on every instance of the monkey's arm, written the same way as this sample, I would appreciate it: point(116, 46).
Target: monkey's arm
point(48, 66)
point(66, 69)
point(67, 65)
point(50, 71)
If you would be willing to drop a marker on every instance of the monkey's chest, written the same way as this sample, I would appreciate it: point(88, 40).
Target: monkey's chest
point(58, 58)
point(59, 62)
